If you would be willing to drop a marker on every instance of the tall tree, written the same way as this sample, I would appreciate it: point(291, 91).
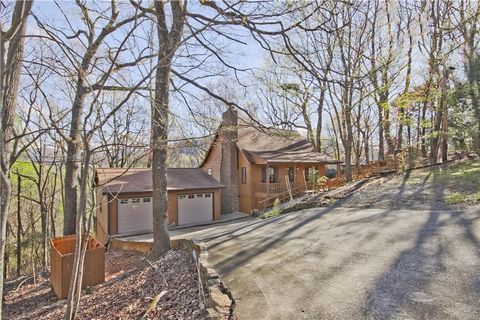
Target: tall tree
point(11, 54)
point(169, 39)
point(468, 27)
point(90, 76)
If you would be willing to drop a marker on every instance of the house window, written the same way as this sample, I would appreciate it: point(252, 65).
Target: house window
point(208, 195)
point(210, 171)
point(191, 196)
point(146, 199)
point(181, 197)
point(272, 175)
point(291, 174)
point(199, 195)
point(136, 200)
point(124, 201)
point(244, 175)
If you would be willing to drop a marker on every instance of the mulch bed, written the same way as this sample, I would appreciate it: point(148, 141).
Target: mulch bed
point(131, 284)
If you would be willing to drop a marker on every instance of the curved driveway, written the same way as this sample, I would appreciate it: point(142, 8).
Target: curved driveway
point(339, 263)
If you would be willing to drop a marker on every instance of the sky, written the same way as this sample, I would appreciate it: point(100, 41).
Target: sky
point(242, 56)
point(250, 55)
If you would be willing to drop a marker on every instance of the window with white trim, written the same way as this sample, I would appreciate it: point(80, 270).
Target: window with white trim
point(146, 199)
point(208, 195)
point(191, 196)
point(135, 200)
point(244, 175)
point(123, 201)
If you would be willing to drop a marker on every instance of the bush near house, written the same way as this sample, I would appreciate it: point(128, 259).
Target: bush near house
point(274, 212)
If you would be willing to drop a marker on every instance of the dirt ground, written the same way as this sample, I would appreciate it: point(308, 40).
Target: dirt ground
point(455, 186)
point(131, 284)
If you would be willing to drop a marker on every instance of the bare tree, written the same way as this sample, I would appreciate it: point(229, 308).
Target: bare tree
point(11, 54)
point(92, 75)
point(344, 92)
point(468, 19)
point(169, 39)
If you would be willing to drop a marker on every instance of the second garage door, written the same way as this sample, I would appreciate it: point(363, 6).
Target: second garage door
point(195, 208)
point(135, 215)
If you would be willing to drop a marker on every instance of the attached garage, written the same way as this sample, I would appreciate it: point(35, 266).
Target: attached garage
point(193, 198)
point(135, 215)
point(195, 208)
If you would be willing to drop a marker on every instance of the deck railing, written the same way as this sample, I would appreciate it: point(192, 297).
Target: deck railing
point(282, 197)
point(270, 188)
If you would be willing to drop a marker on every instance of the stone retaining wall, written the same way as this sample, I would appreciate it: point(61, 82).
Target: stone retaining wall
point(219, 300)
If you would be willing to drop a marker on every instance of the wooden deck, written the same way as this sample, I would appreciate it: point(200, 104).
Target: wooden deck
point(264, 190)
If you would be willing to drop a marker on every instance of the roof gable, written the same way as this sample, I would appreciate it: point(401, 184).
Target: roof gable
point(121, 180)
point(266, 139)
point(268, 145)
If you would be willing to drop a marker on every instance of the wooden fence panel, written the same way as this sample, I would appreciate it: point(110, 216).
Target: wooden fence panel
point(61, 257)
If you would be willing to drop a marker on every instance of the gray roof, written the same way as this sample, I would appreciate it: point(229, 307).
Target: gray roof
point(275, 145)
point(122, 180)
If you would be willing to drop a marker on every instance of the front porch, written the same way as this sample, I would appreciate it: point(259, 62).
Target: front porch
point(273, 179)
point(265, 189)
point(285, 180)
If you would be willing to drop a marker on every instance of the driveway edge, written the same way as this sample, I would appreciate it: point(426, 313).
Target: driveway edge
point(219, 301)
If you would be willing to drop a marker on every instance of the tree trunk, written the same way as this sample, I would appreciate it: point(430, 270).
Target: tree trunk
point(348, 162)
point(168, 42)
point(159, 160)
point(365, 135)
point(474, 96)
point(436, 134)
point(388, 135)
point(444, 115)
point(348, 146)
point(6, 190)
point(11, 44)
point(76, 277)
point(19, 226)
point(381, 143)
point(318, 137)
point(72, 164)
point(423, 129)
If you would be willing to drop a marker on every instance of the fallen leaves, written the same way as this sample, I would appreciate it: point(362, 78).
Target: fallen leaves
point(131, 283)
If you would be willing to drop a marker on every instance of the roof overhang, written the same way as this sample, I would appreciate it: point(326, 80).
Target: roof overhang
point(273, 162)
point(106, 192)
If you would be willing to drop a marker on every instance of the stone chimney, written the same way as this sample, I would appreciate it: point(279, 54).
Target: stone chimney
point(229, 164)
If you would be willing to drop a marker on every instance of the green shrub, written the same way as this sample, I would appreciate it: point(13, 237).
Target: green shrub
point(274, 212)
point(321, 182)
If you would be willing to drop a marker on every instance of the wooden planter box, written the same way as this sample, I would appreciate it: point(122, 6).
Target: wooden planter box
point(61, 264)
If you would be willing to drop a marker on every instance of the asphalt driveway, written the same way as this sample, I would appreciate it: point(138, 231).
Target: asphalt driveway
point(339, 263)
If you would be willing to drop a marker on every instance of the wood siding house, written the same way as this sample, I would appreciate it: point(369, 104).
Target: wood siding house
point(124, 199)
point(267, 162)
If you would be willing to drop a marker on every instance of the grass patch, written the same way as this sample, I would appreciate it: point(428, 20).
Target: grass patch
point(455, 198)
point(459, 198)
point(470, 170)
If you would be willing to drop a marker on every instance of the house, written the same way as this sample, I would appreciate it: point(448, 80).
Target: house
point(244, 166)
point(255, 164)
point(125, 199)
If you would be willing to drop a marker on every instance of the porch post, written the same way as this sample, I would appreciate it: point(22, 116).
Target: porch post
point(267, 177)
point(294, 175)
